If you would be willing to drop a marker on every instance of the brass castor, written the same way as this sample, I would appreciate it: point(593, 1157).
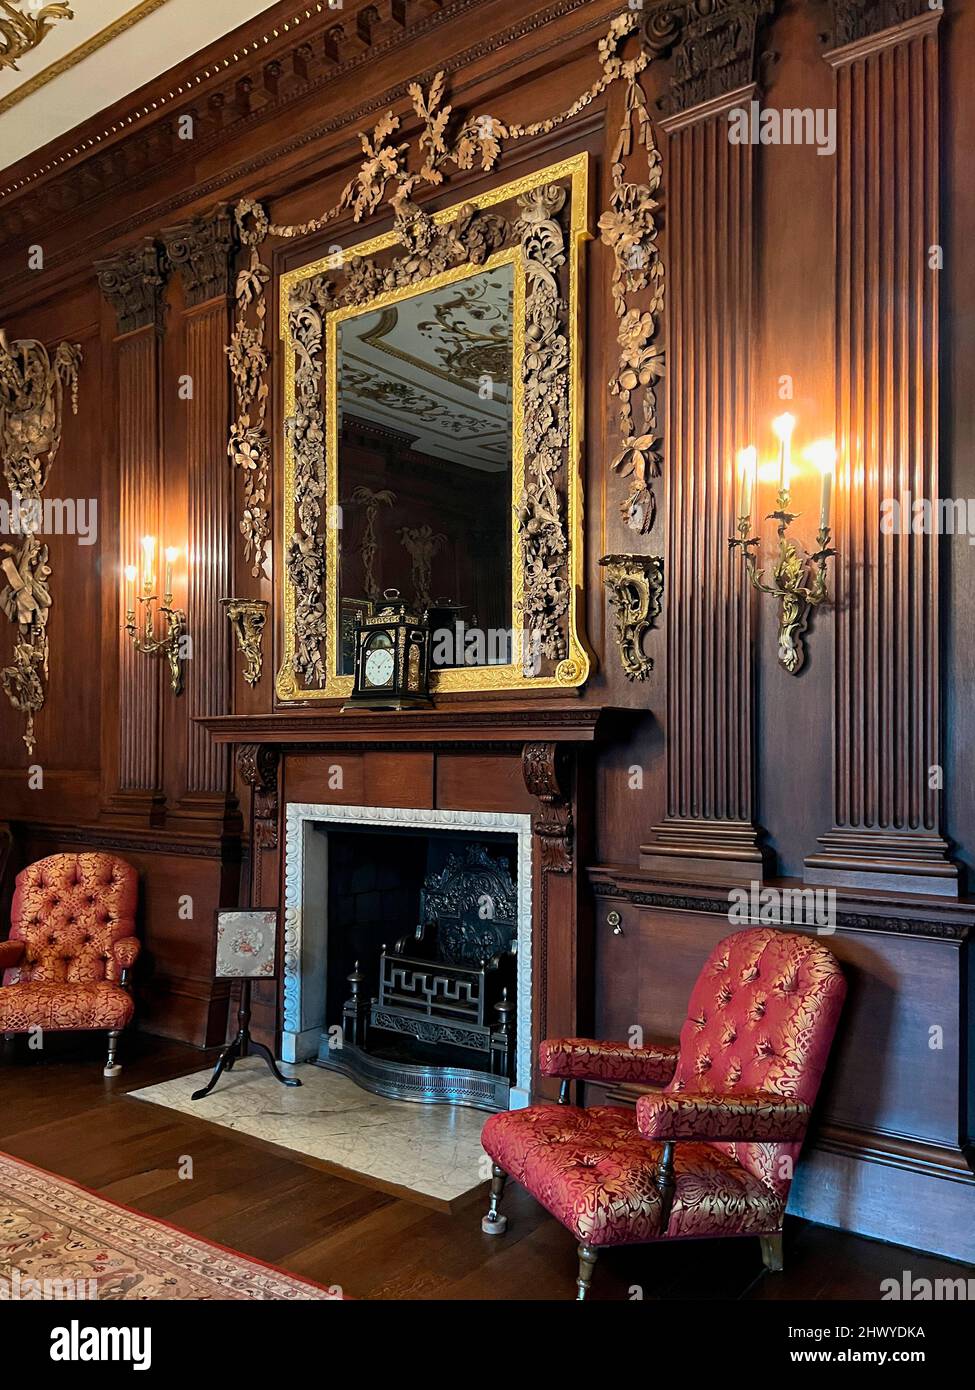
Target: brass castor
point(494, 1223)
point(112, 1067)
point(772, 1253)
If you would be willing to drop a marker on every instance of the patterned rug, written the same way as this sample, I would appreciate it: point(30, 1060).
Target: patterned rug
point(58, 1240)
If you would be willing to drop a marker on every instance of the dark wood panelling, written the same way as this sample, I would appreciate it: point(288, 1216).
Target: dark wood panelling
point(710, 804)
point(887, 694)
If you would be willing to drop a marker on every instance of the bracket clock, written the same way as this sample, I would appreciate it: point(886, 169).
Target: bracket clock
point(392, 657)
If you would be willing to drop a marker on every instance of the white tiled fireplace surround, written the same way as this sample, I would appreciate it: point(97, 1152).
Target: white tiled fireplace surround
point(306, 911)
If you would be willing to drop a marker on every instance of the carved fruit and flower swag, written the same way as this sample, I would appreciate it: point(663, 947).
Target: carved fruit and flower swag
point(629, 228)
point(32, 390)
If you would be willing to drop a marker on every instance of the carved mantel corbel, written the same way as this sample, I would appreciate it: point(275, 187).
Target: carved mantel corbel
point(257, 764)
point(543, 768)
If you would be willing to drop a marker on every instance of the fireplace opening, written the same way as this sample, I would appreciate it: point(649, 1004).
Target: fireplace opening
point(420, 962)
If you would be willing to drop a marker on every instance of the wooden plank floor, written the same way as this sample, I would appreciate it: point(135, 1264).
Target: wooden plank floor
point(59, 1113)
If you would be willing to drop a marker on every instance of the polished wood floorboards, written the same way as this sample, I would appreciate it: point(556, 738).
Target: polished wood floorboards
point(59, 1113)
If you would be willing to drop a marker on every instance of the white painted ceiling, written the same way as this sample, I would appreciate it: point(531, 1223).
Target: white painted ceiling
point(109, 49)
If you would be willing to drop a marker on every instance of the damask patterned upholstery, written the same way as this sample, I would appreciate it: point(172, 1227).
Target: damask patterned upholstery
point(72, 935)
point(584, 1059)
point(752, 1051)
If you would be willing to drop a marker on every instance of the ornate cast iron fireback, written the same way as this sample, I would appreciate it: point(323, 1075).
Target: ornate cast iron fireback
point(474, 903)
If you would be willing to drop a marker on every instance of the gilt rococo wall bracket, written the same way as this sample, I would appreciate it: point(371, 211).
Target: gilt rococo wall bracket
point(31, 422)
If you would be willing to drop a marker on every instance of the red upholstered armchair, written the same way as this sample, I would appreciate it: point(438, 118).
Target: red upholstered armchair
point(72, 944)
point(711, 1153)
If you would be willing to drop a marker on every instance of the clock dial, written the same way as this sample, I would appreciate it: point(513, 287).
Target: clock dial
point(379, 667)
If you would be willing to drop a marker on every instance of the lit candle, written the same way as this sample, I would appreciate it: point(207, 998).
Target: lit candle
point(172, 554)
point(747, 466)
point(131, 575)
point(783, 425)
point(148, 560)
point(823, 455)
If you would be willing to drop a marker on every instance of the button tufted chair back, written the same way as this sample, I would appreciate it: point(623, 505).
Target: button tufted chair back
point(68, 909)
point(761, 1018)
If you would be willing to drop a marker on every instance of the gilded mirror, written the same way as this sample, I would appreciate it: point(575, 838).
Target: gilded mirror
point(432, 393)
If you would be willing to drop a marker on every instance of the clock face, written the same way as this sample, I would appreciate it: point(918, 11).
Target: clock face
point(379, 666)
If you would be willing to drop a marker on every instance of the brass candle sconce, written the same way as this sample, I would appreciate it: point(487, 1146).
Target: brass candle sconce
point(798, 581)
point(636, 587)
point(142, 635)
point(248, 617)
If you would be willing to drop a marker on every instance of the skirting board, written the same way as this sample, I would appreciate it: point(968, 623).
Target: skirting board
point(883, 1197)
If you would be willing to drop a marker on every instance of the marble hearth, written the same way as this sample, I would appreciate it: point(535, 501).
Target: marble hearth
point(307, 996)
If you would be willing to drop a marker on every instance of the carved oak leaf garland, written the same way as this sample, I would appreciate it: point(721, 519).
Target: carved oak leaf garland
point(629, 228)
point(31, 422)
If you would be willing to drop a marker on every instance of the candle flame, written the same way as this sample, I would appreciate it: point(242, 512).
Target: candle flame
point(822, 454)
point(783, 425)
point(747, 460)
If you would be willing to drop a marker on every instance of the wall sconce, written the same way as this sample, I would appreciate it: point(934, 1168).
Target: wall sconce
point(797, 581)
point(247, 618)
point(143, 636)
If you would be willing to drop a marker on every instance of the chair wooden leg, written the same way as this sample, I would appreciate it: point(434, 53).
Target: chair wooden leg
point(494, 1223)
point(772, 1252)
point(587, 1263)
point(112, 1067)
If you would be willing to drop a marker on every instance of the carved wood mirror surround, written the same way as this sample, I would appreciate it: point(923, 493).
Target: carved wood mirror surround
point(538, 226)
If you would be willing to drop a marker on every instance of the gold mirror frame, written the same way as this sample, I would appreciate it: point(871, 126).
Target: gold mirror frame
point(309, 322)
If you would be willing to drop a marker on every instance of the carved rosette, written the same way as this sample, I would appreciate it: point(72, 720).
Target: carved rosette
point(542, 766)
point(31, 422)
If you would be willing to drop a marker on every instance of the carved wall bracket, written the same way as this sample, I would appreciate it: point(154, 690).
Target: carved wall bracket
point(248, 617)
point(543, 768)
point(636, 587)
point(31, 423)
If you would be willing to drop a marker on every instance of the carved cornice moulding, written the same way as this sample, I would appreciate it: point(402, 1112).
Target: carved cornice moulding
point(133, 281)
point(95, 184)
point(202, 252)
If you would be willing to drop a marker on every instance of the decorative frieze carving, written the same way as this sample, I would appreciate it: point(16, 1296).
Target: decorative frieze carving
point(31, 422)
point(133, 281)
point(202, 251)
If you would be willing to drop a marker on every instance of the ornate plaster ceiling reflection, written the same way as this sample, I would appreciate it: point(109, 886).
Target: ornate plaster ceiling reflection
point(438, 366)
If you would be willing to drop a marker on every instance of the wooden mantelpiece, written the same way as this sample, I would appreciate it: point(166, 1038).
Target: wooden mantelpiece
point(533, 757)
point(470, 723)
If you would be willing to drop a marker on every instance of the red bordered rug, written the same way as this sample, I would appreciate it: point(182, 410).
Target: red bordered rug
point(59, 1240)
